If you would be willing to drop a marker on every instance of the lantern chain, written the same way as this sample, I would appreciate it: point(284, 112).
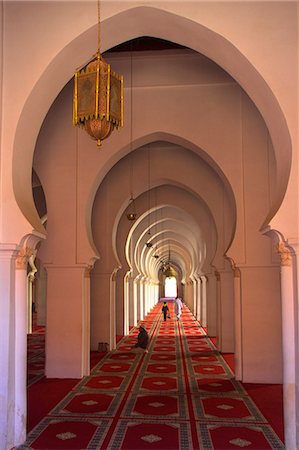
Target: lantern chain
point(99, 28)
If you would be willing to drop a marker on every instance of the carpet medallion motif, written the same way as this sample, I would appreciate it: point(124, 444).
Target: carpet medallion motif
point(181, 395)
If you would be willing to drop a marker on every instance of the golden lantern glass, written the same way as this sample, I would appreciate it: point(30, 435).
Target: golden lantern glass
point(98, 99)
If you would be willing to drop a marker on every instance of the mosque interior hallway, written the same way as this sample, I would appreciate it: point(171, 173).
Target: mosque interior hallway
point(180, 395)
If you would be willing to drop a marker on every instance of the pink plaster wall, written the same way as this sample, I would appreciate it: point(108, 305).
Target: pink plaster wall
point(229, 133)
point(226, 46)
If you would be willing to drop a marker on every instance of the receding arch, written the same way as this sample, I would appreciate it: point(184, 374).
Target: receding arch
point(144, 20)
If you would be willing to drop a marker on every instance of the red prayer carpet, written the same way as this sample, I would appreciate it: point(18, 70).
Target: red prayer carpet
point(180, 395)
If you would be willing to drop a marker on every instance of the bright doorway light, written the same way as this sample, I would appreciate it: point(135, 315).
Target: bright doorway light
point(170, 287)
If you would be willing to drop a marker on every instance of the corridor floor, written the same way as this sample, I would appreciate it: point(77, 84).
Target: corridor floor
point(179, 395)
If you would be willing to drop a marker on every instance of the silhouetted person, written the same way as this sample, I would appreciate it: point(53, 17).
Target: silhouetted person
point(165, 310)
point(142, 340)
point(178, 307)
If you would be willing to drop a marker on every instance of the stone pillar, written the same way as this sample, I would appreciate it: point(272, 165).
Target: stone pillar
point(290, 345)
point(238, 324)
point(226, 311)
point(261, 323)
point(66, 343)
point(41, 294)
point(21, 324)
point(188, 297)
point(218, 312)
point(151, 293)
point(13, 342)
point(210, 299)
point(194, 295)
point(132, 302)
point(126, 304)
point(86, 321)
point(146, 296)
point(30, 281)
point(7, 344)
point(203, 302)
point(141, 299)
point(137, 296)
point(120, 299)
point(198, 298)
point(113, 311)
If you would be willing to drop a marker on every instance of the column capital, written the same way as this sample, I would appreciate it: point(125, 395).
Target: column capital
point(23, 256)
point(285, 254)
point(27, 249)
point(88, 270)
point(31, 259)
point(235, 269)
point(217, 275)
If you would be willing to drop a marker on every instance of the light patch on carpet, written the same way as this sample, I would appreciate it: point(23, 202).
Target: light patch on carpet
point(151, 438)
point(240, 442)
point(156, 404)
point(66, 435)
point(225, 407)
point(89, 402)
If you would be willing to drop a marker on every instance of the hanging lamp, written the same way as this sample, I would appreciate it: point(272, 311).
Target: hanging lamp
point(148, 244)
point(132, 214)
point(169, 272)
point(98, 99)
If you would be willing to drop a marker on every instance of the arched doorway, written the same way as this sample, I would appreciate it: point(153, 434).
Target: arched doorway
point(170, 287)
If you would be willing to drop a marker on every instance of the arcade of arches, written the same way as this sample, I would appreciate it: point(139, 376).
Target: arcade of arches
point(209, 152)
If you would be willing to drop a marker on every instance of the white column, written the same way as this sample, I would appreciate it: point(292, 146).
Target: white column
point(141, 300)
point(218, 312)
point(112, 340)
point(226, 311)
point(30, 281)
point(132, 303)
point(126, 304)
point(199, 299)
point(146, 296)
point(203, 301)
point(290, 346)
point(137, 297)
point(122, 301)
point(7, 346)
point(21, 321)
point(210, 300)
point(41, 294)
point(194, 295)
point(86, 322)
point(238, 324)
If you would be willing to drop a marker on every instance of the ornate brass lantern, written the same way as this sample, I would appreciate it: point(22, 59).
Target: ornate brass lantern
point(98, 103)
point(98, 99)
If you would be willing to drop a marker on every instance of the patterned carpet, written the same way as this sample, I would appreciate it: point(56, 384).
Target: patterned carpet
point(179, 395)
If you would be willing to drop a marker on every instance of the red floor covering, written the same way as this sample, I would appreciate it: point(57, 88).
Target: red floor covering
point(180, 395)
